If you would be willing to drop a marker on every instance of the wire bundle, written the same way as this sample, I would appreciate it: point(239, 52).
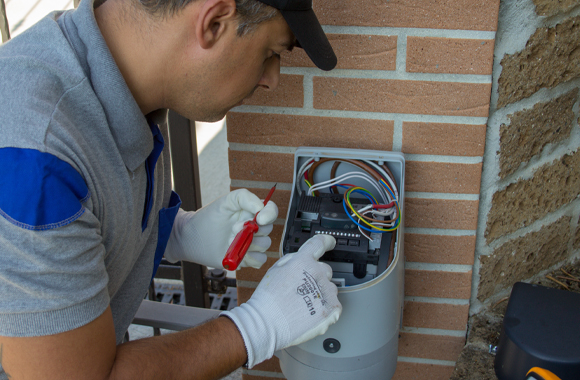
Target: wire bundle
point(375, 217)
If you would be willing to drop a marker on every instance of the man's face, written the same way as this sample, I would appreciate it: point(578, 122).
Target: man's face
point(241, 65)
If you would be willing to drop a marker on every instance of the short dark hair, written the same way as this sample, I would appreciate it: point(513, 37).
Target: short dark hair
point(250, 12)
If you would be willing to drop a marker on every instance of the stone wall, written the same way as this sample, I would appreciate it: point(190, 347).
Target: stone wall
point(529, 206)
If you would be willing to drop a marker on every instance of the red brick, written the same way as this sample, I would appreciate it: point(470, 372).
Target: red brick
point(400, 96)
point(244, 294)
point(288, 130)
point(418, 371)
point(251, 274)
point(260, 166)
point(441, 213)
point(450, 14)
point(438, 177)
point(435, 315)
point(437, 347)
point(449, 56)
point(280, 197)
point(424, 283)
point(290, 93)
point(443, 139)
point(359, 52)
point(439, 249)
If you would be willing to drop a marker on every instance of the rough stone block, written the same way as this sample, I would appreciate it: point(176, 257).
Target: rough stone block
point(524, 257)
point(551, 57)
point(577, 236)
point(531, 130)
point(553, 7)
point(521, 203)
point(474, 364)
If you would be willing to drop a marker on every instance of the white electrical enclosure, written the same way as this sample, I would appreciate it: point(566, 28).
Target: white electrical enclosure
point(369, 273)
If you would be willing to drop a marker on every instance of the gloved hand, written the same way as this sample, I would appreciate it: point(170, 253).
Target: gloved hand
point(204, 236)
point(294, 302)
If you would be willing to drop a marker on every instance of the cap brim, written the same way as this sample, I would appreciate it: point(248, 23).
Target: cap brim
point(311, 37)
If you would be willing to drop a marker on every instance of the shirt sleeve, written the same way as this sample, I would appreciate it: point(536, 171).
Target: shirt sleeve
point(52, 271)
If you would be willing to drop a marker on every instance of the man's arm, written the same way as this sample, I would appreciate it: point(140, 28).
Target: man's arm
point(209, 351)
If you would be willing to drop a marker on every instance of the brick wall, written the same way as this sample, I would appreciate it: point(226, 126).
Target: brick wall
point(530, 206)
point(413, 76)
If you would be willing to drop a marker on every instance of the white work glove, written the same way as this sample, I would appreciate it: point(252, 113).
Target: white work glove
point(294, 302)
point(204, 236)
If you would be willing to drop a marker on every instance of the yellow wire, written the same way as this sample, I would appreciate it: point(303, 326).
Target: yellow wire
point(362, 219)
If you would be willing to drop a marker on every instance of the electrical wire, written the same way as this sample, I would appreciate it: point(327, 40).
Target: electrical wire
point(378, 176)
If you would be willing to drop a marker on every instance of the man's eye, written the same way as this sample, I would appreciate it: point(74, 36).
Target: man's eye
point(273, 54)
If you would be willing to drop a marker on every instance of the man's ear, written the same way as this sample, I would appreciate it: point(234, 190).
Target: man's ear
point(214, 19)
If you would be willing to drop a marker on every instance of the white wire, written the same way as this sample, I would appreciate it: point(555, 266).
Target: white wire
point(388, 177)
point(301, 171)
point(331, 182)
point(391, 211)
point(386, 224)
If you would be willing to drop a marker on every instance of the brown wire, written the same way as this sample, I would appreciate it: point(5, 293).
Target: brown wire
point(369, 219)
point(359, 164)
point(364, 167)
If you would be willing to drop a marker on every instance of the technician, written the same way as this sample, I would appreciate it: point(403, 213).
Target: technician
point(86, 207)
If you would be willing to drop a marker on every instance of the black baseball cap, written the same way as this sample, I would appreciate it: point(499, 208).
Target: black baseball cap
point(307, 30)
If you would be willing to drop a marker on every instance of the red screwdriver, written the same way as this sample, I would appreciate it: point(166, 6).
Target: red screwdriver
point(243, 239)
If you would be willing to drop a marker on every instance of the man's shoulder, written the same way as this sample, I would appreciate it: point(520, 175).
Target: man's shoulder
point(37, 68)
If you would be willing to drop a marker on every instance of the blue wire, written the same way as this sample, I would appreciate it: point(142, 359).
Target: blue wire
point(388, 189)
point(357, 191)
point(394, 198)
point(355, 222)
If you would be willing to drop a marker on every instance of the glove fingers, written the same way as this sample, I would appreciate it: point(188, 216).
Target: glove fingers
point(318, 245)
point(260, 244)
point(237, 226)
point(328, 270)
point(253, 260)
point(243, 199)
point(268, 214)
point(264, 230)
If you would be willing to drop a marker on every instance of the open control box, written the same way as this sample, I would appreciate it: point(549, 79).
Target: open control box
point(359, 255)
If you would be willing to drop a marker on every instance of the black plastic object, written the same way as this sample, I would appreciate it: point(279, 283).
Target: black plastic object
point(325, 215)
point(541, 328)
point(331, 345)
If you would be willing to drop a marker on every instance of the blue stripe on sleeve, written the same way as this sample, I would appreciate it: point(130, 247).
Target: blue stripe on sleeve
point(39, 191)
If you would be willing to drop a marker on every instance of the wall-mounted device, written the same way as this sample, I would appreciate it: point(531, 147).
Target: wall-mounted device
point(356, 196)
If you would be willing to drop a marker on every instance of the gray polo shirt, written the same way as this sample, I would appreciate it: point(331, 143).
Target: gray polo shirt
point(75, 233)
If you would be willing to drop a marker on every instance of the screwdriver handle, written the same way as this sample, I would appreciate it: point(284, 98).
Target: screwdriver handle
point(240, 245)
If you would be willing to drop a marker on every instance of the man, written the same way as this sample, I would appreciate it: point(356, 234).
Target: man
point(86, 207)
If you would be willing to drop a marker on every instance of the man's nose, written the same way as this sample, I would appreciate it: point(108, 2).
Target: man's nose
point(271, 76)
